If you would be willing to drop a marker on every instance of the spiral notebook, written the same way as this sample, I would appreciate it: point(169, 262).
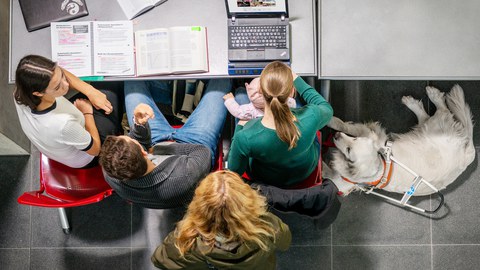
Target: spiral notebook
point(40, 13)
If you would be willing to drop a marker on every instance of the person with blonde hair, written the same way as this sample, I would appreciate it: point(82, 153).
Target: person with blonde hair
point(281, 148)
point(226, 226)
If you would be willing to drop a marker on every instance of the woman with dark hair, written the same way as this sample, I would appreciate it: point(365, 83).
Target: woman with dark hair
point(68, 133)
point(226, 226)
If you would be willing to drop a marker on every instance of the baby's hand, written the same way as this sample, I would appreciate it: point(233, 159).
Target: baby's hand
point(228, 96)
point(142, 113)
point(83, 105)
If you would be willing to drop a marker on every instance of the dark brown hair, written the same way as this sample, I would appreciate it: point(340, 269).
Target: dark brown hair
point(33, 74)
point(122, 159)
point(276, 85)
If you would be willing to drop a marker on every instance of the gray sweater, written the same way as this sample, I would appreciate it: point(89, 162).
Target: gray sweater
point(173, 181)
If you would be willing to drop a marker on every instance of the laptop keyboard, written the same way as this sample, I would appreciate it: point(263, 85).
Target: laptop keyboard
point(244, 37)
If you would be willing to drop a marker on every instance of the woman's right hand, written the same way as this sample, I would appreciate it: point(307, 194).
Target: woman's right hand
point(142, 113)
point(83, 105)
point(294, 75)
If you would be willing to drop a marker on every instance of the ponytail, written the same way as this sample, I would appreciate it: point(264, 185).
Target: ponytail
point(276, 84)
point(285, 127)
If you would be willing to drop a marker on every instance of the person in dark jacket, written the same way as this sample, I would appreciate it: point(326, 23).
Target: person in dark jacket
point(226, 226)
point(158, 166)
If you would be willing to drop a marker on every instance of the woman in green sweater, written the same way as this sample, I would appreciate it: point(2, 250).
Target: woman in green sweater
point(281, 148)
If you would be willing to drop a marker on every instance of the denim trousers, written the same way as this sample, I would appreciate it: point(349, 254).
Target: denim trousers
point(205, 124)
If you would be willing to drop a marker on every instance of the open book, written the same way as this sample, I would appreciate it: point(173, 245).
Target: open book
point(180, 49)
point(94, 48)
point(106, 48)
point(134, 8)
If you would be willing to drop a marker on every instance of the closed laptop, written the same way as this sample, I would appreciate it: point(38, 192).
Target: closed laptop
point(39, 13)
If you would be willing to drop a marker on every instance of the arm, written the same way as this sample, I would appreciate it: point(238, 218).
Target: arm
point(98, 99)
point(167, 256)
point(283, 236)
point(141, 129)
point(238, 156)
point(312, 97)
point(86, 108)
point(242, 112)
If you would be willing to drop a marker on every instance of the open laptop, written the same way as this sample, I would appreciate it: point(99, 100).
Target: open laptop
point(258, 33)
point(39, 13)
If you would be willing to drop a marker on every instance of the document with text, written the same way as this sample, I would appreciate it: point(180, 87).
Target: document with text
point(94, 48)
point(180, 49)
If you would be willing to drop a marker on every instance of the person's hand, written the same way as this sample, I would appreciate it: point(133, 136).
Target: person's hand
point(99, 101)
point(142, 113)
point(242, 122)
point(228, 96)
point(294, 75)
point(83, 105)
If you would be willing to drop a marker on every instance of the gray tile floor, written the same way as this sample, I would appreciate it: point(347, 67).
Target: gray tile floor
point(368, 233)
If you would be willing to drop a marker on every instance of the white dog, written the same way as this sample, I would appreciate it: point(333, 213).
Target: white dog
point(438, 149)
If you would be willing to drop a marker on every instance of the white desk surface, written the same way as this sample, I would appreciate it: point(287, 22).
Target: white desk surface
point(211, 13)
point(400, 40)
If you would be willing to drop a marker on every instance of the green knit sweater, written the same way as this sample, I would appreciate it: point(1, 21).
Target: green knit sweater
point(260, 152)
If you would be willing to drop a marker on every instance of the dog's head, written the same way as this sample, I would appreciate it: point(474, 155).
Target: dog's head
point(356, 158)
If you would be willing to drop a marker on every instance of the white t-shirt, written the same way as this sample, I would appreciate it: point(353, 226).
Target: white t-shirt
point(58, 132)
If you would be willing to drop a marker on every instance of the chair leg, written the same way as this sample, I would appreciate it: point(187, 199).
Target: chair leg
point(64, 220)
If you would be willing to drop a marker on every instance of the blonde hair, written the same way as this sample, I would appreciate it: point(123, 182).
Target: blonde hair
point(276, 85)
point(224, 206)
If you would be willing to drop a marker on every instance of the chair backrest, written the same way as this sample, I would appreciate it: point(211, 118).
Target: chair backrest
point(71, 184)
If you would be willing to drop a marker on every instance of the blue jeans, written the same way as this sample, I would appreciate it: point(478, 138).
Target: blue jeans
point(205, 124)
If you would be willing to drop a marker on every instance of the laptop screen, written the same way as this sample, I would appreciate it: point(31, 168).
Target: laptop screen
point(257, 7)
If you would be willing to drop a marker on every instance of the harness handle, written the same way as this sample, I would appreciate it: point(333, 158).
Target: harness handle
point(442, 201)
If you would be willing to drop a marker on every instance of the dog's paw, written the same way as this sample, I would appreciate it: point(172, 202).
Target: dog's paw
point(412, 103)
point(435, 95)
point(336, 124)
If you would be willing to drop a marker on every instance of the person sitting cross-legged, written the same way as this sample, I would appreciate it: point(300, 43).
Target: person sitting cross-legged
point(158, 166)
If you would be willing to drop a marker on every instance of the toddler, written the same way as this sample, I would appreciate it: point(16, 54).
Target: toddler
point(256, 106)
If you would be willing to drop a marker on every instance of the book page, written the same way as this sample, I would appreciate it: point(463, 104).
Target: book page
point(72, 46)
point(133, 8)
point(113, 53)
point(152, 51)
point(188, 49)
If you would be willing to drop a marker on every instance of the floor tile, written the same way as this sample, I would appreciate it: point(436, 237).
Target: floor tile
point(81, 258)
point(303, 229)
point(460, 225)
point(381, 257)
point(366, 219)
point(141, 258)
point(151, 226)
point(463, 257)
point(18, 259)
point(14, 180)
point(106, 223)
point(305, 258)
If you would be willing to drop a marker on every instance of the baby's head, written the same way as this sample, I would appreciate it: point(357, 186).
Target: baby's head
point(254, 94)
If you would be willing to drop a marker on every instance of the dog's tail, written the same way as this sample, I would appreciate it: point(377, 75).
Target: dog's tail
point(461, 111)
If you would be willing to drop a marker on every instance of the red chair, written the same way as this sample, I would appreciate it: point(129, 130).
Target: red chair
point(62, 186)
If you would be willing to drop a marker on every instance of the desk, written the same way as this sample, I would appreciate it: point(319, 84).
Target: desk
point(399, 40)
point(211, 13)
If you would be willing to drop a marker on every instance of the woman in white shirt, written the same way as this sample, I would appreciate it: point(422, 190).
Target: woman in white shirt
point(65, 132)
